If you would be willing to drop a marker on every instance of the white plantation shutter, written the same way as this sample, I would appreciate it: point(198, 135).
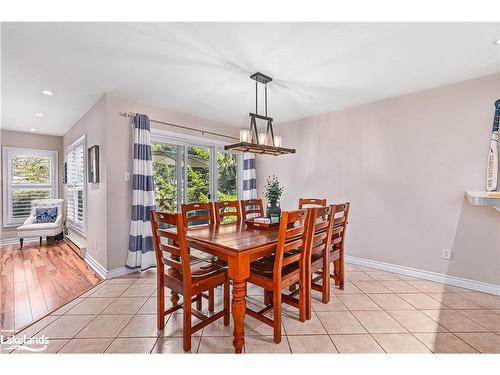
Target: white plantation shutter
point(75, 185)
point(28, 174)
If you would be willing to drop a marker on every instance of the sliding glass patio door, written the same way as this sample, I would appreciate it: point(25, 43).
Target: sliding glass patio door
point(198, 174)
point(186, 172)
point(168, 166)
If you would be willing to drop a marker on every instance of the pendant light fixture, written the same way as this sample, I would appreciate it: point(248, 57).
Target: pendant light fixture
point(253, 141)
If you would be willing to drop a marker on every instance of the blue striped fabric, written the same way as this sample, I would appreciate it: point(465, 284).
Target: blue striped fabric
point(142, 182)
point(142, 152)
point(249, 176)
point(140, 212)
point(140, 245)
point(249, 184)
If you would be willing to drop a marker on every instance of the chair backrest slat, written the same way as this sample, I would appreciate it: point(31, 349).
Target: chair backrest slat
point(170, 249)
point(227, 209)
point(311, 202)
point(165, 234)
point(293, 245)
point(290, 259)
point(295, 231)
point(251, 208)
point(198, 213)
point(173, 263)
point(319, 242)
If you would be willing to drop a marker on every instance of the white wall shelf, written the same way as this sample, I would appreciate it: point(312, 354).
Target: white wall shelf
point(484, 198)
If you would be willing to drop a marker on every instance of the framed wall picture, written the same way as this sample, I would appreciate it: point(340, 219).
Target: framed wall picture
point(93, 164)
point(65, 173)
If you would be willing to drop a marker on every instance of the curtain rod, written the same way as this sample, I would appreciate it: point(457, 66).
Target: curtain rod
point(203, 132)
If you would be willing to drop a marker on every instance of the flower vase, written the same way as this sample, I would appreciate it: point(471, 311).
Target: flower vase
point(273, 210)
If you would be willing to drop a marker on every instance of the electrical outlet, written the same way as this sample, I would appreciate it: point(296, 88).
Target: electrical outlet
point(447, 254)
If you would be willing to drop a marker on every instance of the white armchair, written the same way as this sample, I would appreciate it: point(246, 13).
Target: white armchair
point(32, 229)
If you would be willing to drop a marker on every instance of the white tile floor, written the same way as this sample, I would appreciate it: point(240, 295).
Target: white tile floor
point(377, 312)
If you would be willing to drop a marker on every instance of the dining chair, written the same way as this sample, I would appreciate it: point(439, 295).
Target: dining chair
point(221, 211)
point(311, 202)
point(319, 254)
point(282, 270)
point(340, 221)
point(308, 203)
point(184, 276)
point(201, 213)
point(251, 208)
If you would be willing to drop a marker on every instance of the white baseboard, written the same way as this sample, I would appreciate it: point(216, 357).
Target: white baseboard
point(426, 275)
point(95, 265)
point(103, 272)
point(117, 272)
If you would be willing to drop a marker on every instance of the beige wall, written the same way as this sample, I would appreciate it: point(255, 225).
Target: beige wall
point(119, 161)
point(27, 140)
point(405, 164)
point(93, 126)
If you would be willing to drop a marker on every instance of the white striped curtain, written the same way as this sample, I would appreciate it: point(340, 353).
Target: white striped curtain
point(141, 253)
point(249, 176)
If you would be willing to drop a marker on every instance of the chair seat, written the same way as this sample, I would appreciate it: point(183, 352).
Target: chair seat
point(265, 267)
point(199, 270)
point(41, 226)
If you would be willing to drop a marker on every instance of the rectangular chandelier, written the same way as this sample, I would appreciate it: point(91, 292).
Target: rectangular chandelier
point(251, 140)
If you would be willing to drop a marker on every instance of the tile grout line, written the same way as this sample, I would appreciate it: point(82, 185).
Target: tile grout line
point(411, 333)
point(382, 309)
point(371, 335)
point(133, 315)
point(286, 334)
point(71, 338)
point(100, 314)
point(329, 336)
point(447, 330)
point(95, 317)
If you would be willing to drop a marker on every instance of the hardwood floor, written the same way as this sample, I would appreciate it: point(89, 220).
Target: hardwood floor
point(37, 280)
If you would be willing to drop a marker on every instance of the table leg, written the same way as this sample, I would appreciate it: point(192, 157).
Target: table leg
point(239, 306)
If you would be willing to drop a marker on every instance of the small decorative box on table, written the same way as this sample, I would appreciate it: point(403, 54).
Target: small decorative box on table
point(261, 224)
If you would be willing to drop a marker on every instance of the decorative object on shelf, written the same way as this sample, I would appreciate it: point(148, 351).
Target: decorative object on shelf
point(93, 164)
point(273, 194)
point(492, 161)
point(260, 143)
point(484, 198)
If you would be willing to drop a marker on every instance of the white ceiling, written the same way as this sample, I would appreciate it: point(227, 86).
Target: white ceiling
point(204, 68)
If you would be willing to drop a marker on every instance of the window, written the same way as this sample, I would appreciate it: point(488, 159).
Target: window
point(227, 176)
point(75, 185)
point(191, 169)
point(28, 174)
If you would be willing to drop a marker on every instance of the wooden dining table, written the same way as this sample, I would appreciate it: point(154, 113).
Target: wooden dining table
point(238, 245)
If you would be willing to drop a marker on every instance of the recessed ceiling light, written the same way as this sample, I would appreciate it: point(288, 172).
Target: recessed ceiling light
point(47, 92)
point(33, 130)
point(38, 114)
